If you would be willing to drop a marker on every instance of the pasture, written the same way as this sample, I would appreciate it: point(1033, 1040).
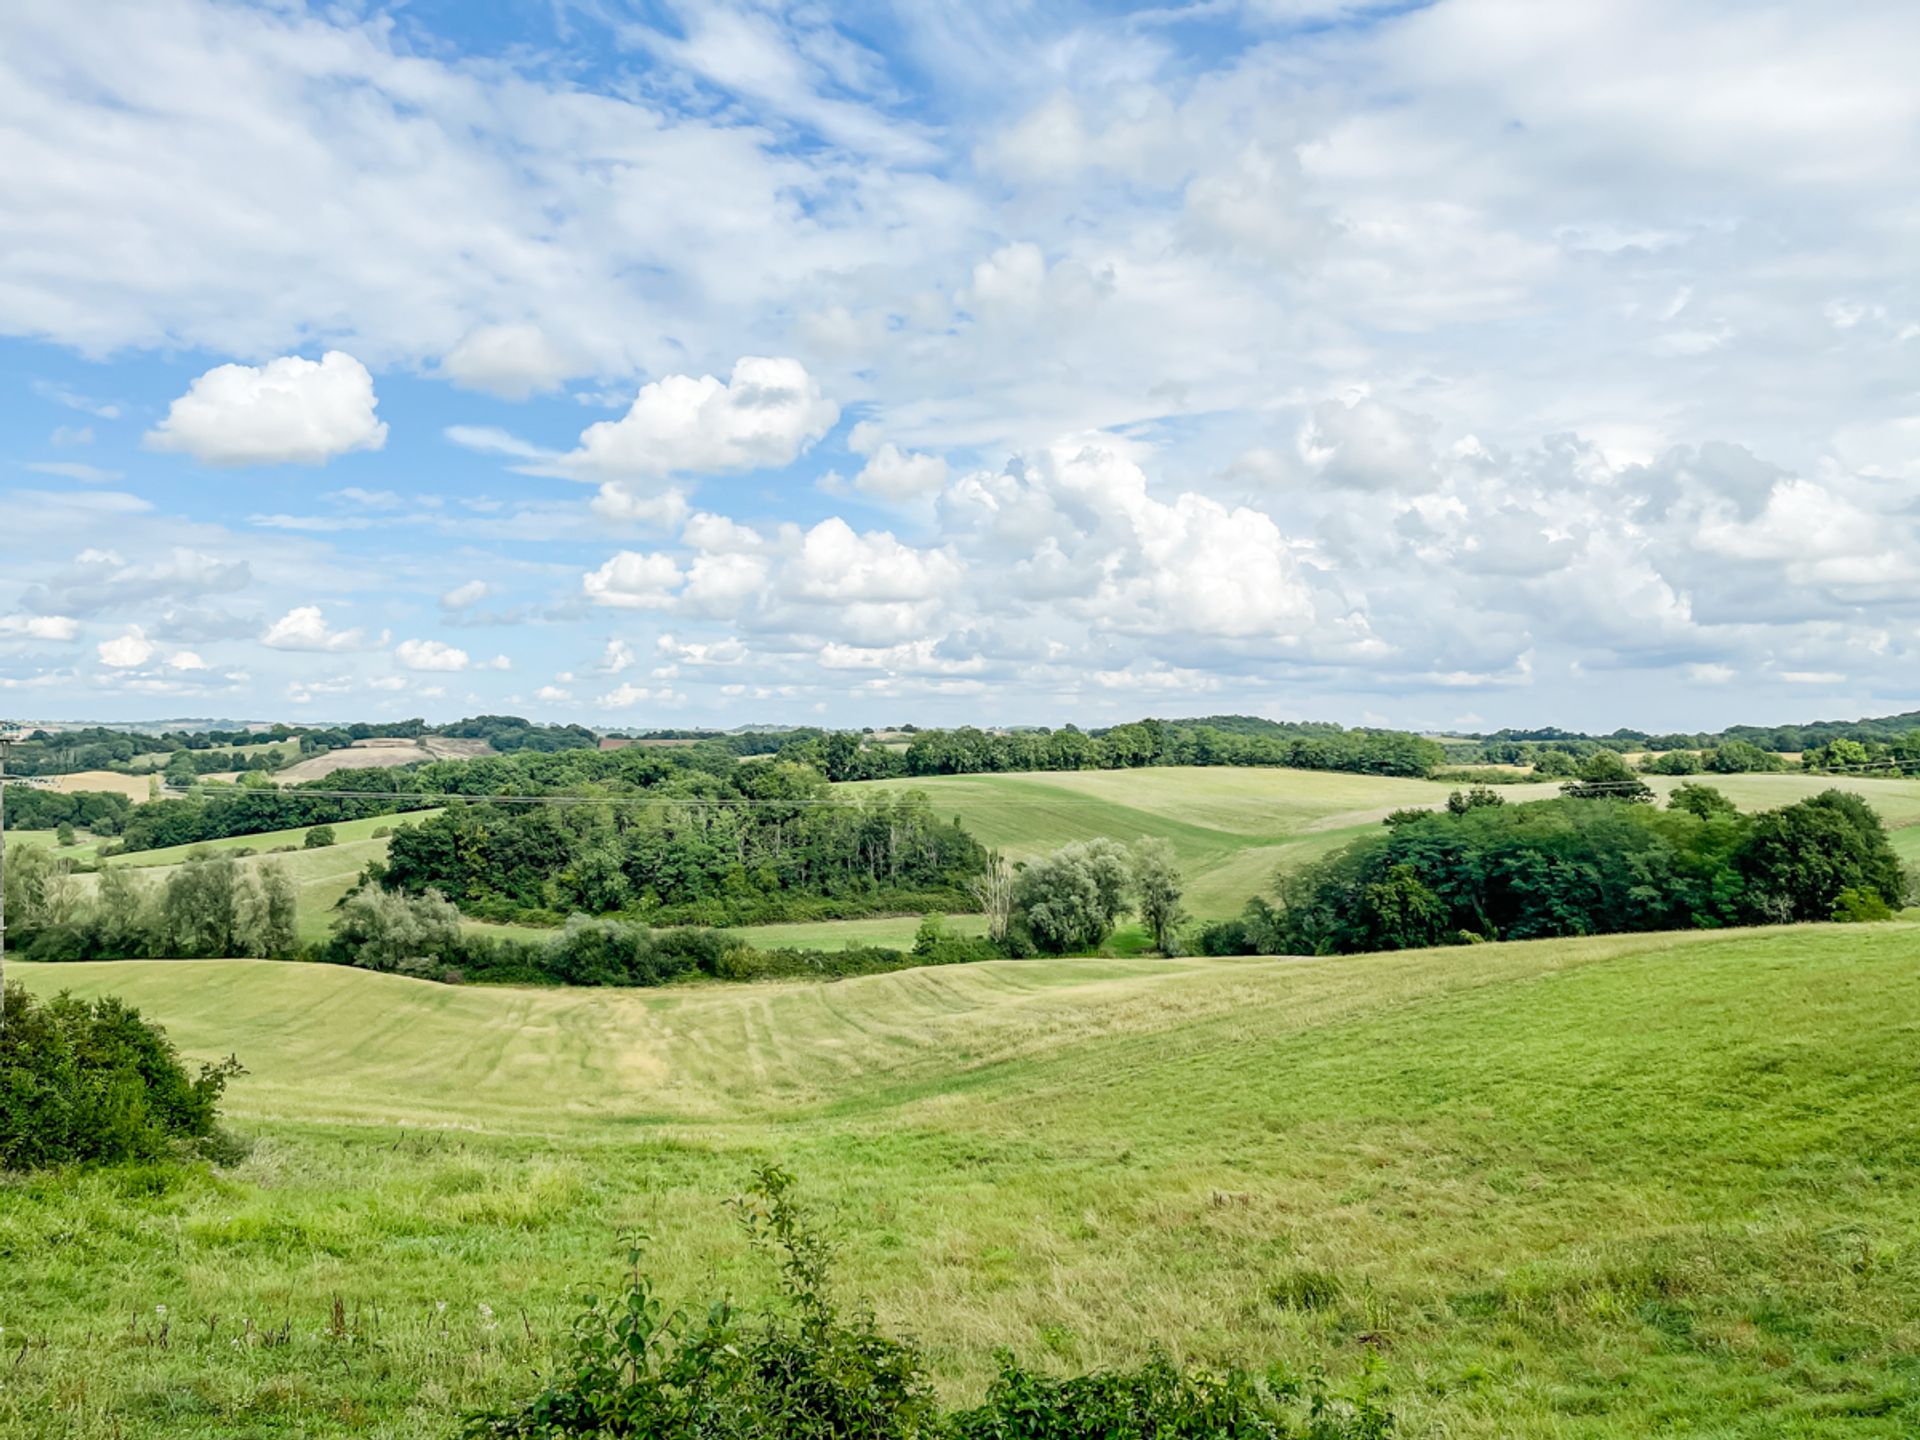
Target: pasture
point(1234, 828)
point(1600, 1188)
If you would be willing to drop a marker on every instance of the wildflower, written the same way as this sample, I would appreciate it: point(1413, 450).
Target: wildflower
point(161, 1311)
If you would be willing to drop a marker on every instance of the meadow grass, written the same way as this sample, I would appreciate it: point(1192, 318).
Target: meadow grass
point(1234, 828)
point(1594, 1188)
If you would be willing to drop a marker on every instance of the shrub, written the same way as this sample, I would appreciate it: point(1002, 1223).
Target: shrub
point(319, 837)
point(1857, 905)
point(92, 1081)
point(813, 1371)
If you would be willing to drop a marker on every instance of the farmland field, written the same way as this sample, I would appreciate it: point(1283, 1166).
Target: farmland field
point(1233, 828)
point(1600, 1188)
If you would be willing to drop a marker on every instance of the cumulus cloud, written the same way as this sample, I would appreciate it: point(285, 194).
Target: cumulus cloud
point(510, 361)
point(462, 597)
point(127, 649)
point(288, 411)
point(305, 628)
point(431, 655)
point(895, 474)
point(39, 627)
point(632, 580)
point(1369, 445)
point(765, 414)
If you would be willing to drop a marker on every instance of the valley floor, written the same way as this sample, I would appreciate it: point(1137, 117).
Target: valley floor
point(1592, 1188)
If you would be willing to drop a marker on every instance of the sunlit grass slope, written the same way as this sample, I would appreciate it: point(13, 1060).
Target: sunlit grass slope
point(1234, 828)
point(1616, 1187)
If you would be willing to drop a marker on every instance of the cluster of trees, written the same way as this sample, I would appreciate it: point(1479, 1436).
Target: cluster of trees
point(90, 1081)
point(1730, 757)
point(764, 842)
point(1521, 747)
point(31, 808)
point(207, 908)
point(423, 936)
point(1068, 902)
point(1579, 866)
point(61, 752)
point(223, 812)
point(1219, 740)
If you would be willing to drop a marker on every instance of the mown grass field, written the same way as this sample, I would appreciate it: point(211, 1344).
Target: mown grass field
point(1233, 829)
point(1603, 1188)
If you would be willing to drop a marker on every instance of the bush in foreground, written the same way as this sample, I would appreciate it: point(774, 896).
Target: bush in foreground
point(92, 1081)
point(811, 1371)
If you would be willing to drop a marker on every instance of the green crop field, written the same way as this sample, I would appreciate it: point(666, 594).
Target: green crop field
point(1600, 1188)
point(1234, 828)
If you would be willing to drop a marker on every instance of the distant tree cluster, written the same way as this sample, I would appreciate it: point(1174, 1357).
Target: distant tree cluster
point(207, 908)
point(1579, 866)
point(1221, 740)
point(758, 844)
point(31, 808)
point(47, 752)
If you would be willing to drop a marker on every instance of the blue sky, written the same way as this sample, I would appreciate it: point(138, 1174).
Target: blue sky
point(1459, 364)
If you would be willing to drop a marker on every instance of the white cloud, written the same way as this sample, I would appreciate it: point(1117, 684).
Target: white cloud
point(130, 648)
point(76, 470)
point(430, 655)
point(510, 361)
point(895, 474)
point(553, 695)
point(288, 411)
point(305, 628)
point(185, 660)
point(620, 501)
point(766, 414)
point(837, 564)
point(1369, 445)
point(469, 594)
point(634, 581)
point(39, 627)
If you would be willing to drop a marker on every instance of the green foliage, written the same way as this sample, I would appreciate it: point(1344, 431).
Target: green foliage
point(1477, 798)
point(318, 838)
point(208, 907)
point(1796, 861)
point(1157, 890)
point(91, 1081)
point(811, 1371)
point(1856, 905)
point(1069, 900)
point(1742, 757)
point(1603, 775)
point(1701, 801)
point(703, 850)
point(1578, 867)
point(31, 808)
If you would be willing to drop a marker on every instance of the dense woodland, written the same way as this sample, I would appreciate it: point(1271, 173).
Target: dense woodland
point(759, 842)
point(1592, 863)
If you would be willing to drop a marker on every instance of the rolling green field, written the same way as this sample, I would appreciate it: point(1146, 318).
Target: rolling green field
point(1234, 828)
point(1601, 1188)
point(1231, 828)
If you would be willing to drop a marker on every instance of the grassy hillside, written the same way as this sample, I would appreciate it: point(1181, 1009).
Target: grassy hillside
point(1581, 1189)
point(1233, 828)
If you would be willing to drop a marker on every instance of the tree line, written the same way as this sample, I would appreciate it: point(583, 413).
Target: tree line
point(844, 755)
point(1591, 863)
point(763, 842)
